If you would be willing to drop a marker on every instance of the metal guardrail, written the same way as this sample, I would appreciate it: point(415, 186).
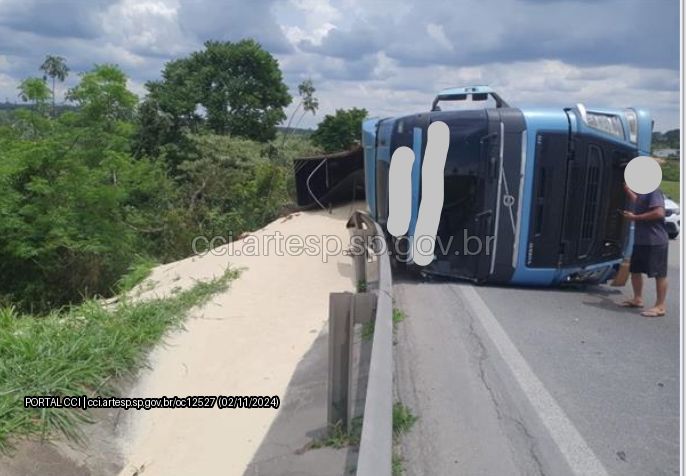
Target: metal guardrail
point(374, 302)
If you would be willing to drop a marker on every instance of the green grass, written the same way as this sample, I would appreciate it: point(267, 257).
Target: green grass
point(403, 419)
point(397, 468)
point(670, 170)
point(137, 272)
point(398, 316)
point(670, 179)
point(80, 351)
point(338, 437)
point(672, 189)
point(368, 330)
point(368, 327)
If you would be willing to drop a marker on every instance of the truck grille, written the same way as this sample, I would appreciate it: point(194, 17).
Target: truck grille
point(589, 217)
point(591, 203)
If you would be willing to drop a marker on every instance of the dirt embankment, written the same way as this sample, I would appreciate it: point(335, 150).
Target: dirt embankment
point(247, 340)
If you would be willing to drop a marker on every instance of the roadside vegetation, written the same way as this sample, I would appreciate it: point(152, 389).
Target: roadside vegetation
point(672, 189)
point(90, 188)
point(81, 350)
point(137, 272)
point(339, 131)
point(670, 179)
point(667, 140)
point(337, 436)
point(367, 330)
point(403, 421)
point(670, 169)
point(100, 187)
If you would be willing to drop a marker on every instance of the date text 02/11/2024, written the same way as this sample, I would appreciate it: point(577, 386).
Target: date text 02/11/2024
point(147, 403)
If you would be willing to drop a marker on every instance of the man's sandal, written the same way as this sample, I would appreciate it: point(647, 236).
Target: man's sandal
point(653, 313)
point(630, 304)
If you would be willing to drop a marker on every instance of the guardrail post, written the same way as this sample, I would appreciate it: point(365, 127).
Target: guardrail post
point(360, 266)
point(364, 305)
point(345, 309)
point(340, 344)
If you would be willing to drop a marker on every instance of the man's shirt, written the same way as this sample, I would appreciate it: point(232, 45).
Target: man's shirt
point(650, 232)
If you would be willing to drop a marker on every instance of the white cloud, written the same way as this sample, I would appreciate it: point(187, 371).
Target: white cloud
point(405, 90)
point(7, 84)
point(389, 56)
point(147, 26)
point(437, 33)
point(308, 20)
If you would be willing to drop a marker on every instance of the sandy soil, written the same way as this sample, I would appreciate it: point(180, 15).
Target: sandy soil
point(245, 341)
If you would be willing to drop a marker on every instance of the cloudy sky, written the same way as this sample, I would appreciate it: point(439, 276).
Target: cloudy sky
point(387, 56)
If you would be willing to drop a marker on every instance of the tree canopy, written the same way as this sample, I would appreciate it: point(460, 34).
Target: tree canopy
point(110, 181)
point(102, 95)
point(56, 68)
point(340, 131)
point(34, 90)
point(231, 88)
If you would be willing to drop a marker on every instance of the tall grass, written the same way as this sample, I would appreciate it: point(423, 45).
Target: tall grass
point(137, 272)
point(672, 189)
point(80, 351)
point(670, 179)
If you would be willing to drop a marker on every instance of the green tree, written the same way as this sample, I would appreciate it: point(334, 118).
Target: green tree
point(76, 207)
point(673, 138)
point(308, 102)
point(102, 95)
point(231, 88)
point(34, 90)
point(154, 129)
point(340, 131)
point(56, 68)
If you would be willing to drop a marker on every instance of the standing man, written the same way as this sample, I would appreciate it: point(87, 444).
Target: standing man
point(651, 244)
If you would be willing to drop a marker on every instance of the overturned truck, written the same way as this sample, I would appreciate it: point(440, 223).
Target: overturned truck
point(531, 195)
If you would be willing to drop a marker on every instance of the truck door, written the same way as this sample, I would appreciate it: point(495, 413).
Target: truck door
point(505, 175)
point(578, 190)
point(553, 157)
point(593, 229)
point(479, 221)
point(466, 218)
point(477, 230)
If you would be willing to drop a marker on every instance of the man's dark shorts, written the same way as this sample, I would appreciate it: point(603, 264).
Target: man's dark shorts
point(650, 260)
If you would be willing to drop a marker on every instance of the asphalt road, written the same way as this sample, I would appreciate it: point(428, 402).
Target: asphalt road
point(512, 381)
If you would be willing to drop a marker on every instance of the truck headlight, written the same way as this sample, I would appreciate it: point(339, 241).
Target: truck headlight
point(632, 119)
point(606, 123)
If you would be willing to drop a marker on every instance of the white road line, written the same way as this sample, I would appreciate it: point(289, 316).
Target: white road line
point(578, 454)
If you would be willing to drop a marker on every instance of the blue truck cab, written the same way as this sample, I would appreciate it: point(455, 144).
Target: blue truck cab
point(531, 195)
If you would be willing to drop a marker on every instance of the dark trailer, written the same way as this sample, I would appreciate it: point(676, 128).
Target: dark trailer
point(329, 179)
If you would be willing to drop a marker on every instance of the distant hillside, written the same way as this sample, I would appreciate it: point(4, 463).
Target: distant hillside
point(297, 131)
point(11, 106)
